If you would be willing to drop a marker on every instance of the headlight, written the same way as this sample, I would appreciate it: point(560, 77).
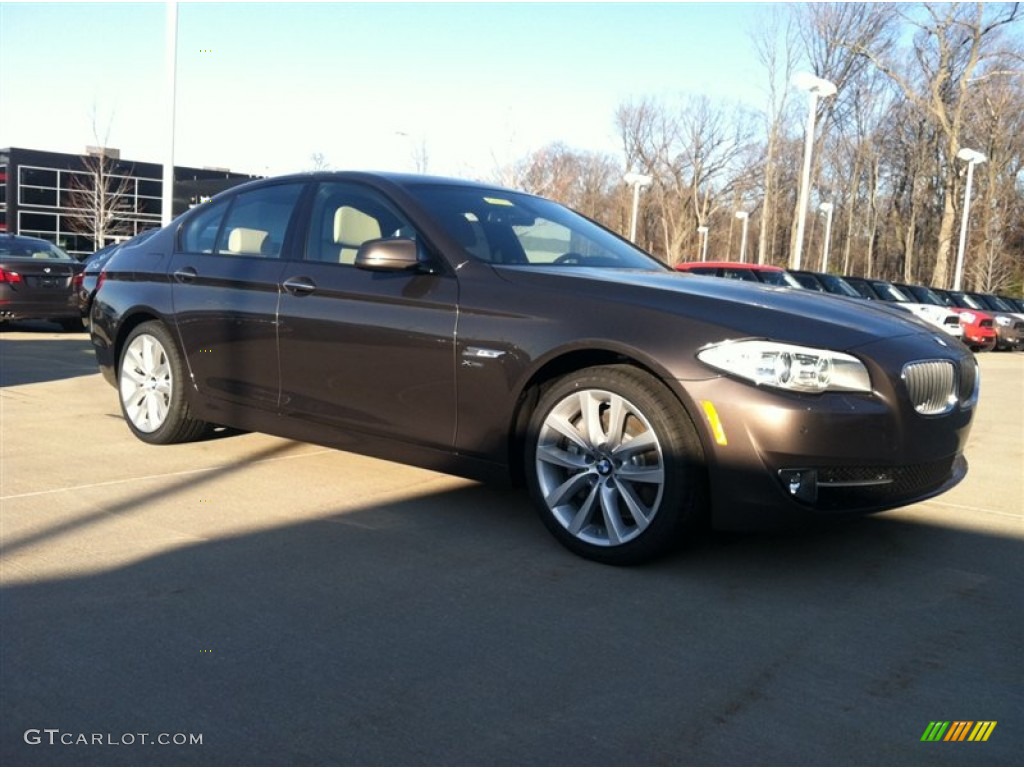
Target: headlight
point(1003, 320)
point(787, 366)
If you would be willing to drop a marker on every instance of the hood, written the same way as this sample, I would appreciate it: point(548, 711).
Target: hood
point(795, 315)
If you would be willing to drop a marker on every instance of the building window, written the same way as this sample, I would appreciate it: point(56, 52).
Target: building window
point(37, 177)
point(37, 196)
point(37, 222)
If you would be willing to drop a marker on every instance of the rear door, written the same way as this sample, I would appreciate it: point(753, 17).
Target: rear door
point(225, 280)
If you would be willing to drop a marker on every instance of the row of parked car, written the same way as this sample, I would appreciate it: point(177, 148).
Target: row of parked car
point(40, 281)
point(982, 321)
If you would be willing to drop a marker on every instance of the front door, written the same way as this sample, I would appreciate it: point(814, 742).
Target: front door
point(370, 352)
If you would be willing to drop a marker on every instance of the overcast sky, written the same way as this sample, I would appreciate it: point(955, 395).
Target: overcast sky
point(263, 86)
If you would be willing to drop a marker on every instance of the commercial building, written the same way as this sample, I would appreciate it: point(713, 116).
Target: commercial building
point(53, 195)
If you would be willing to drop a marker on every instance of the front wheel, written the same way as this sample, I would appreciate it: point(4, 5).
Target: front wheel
point(614, 465)
point(151, 380)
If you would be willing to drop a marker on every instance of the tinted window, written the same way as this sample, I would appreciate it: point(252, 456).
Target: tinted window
point(31, 248)
point(838, 285)
point(257, 221)
point(347, 215)
point(200, 232)
point(739, 274)
point(503, 227)
point(889, 292)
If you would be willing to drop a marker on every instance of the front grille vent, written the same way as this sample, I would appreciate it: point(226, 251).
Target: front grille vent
point(932, 386)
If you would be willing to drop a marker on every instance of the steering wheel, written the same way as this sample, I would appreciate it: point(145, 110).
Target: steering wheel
point(570, 258)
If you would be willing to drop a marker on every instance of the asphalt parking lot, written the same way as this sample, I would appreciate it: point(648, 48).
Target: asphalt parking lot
point(288, 604)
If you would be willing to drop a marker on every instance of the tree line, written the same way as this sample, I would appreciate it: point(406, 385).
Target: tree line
point(915, 84)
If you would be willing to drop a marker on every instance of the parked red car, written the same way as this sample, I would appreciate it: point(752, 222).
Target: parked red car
point(979, 326)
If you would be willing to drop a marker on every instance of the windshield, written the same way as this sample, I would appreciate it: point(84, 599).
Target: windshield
point(779, 278)
point(840, 286)
point(927, 296)
point(996, 303)
point(963, 300)
point(501, 227)
point(889, 292)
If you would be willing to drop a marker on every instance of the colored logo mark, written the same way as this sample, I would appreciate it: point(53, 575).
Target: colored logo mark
point(959, 730)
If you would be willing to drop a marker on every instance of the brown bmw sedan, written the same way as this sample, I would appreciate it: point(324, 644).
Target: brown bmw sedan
point(494, 334)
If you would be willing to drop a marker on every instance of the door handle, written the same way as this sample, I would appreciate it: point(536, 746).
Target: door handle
point(185, 275)
point(299, 286)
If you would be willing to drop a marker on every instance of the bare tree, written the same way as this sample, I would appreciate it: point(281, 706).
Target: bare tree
point(585, 181)
point(779, 32)
point(100, 199)
point(951, 43)
point(318, 162)
point(693, 153)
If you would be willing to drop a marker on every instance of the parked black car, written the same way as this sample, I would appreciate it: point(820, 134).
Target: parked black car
point(37, 282)
point(486, 332)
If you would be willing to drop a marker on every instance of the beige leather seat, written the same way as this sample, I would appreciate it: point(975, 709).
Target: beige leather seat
point(244, 241)
point(352, 228)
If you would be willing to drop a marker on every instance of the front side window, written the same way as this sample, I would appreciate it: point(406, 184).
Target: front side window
point(347, 215)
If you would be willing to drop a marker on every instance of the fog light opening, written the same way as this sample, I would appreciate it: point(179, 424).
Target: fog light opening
point(801, 484)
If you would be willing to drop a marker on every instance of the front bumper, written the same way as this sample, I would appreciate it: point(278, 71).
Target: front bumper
point(781, 458)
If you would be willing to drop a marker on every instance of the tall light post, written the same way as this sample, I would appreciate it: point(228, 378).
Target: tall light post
point(703, 232)
point(170, 77)
point(971, 157)
point(817, 88)
point(827, 209)
point(638, 180)
point(744, 217)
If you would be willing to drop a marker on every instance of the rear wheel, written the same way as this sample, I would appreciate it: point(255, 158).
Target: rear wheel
point(614, 465)
point(151, 380)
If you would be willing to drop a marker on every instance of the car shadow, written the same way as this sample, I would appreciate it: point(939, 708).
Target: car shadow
point(449, 628)
point(37, 351)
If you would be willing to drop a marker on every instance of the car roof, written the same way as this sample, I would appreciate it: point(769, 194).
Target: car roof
point(377, 177)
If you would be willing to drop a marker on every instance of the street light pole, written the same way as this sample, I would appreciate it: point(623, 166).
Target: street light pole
point(171, 65)
point(703, 232)
point(817, 88)
point(744, 217)
point(827, 208)
point(638, 180)
point(971, 157)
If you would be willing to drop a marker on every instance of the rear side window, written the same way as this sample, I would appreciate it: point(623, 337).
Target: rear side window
point(252, 223)
point(200, 232)
point(257, 221)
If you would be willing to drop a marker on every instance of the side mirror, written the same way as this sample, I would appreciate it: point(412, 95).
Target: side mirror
point(388, 255)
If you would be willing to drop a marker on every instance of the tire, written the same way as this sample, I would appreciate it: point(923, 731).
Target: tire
point(600, 495)
point(150, 385)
